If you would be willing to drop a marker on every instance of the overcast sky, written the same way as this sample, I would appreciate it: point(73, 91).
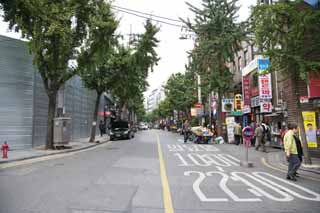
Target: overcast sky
point(171, 50)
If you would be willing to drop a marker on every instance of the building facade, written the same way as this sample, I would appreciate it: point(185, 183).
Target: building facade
point(24, 102)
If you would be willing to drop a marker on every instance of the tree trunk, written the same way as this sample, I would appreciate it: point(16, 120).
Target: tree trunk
point(52, 95)
point(219, 115)
point(302, 131)
point(124, 114)
point(95, 117)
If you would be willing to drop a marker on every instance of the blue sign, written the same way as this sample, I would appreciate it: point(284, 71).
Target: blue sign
point(263, 64)
point(313, 3)
point(244, 120)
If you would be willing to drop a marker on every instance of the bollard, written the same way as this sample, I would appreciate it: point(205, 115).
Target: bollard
point(5, 149)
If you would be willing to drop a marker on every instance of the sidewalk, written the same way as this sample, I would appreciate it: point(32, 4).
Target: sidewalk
point(79, 144)
point(278, 159)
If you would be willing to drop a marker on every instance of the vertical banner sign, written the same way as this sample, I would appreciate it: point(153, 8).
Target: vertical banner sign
point(246, 89)
point(265, 89)
point(238, 102)
point(263, 64)
point(309, 121)
point(230, 129)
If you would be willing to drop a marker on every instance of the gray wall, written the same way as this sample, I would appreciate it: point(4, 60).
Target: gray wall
point(24, 102)
point(16, 94)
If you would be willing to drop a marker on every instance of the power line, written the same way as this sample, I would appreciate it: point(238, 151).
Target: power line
point(144, 17)
point(135, 11)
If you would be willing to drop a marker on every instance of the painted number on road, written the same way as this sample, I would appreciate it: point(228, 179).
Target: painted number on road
point(205, 160)
point(282, 190)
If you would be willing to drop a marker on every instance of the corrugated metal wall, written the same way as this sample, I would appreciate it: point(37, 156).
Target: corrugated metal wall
point(24, 102)
point(16, 94)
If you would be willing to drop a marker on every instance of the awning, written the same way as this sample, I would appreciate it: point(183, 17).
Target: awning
point(271, 115)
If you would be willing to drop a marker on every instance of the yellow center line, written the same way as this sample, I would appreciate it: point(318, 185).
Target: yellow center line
point(167, 202)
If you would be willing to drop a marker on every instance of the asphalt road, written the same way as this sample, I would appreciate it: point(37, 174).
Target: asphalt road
point(152, 173)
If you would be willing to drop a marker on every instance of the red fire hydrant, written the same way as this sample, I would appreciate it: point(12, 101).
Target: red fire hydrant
point(5, 149)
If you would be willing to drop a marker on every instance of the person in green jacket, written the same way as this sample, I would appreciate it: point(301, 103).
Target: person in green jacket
point(290, 149)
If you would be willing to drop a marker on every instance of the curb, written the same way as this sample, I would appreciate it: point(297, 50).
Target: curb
point(55, 153)
point(302, 168)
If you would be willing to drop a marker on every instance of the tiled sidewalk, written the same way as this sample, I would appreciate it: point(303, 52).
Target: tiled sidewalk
point(18, 155)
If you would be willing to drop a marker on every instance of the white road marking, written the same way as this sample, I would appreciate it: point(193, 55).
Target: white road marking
point(256, 193)
point(198, 191)
point(223, 186)
point(316, 195)
point(205, 160)
point(220, 168)
point(285, 197)
point(184, 162)
point(191, 147)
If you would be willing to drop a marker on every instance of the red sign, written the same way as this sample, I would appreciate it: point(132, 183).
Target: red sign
point(248, 134)
point(254, 91)
point(265, 107)
point(246, 89)
point(314, 86)
point(265, 86)
point(304, 99)
point(197, 105)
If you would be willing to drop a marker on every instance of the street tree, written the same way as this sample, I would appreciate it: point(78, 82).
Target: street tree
point(179, 91)
point(55, 30)
point(135, 62)
point(96, 60)
point(288, 33)
point(219, 37)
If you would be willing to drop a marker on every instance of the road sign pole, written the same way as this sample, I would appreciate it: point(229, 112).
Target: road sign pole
point(247, 134)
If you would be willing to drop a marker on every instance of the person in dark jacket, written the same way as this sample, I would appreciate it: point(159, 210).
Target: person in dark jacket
point(300, 151)
point(101, 127)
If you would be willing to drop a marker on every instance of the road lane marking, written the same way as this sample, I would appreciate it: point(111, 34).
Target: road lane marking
point(167, 201)
point(256, 183)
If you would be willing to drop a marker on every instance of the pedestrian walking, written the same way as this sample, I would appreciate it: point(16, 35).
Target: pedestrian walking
point(260, 137)
point(237, 133)
point(291, 151)
point(186, 130)
point(299, 150)
point(101, 127)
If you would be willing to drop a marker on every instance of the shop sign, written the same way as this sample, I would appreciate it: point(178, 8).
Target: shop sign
point(227, 105)
point(194, 112)
point(246, 109)
point(265, 107)
point(255, 101)
point(304, 99)
point(236, 113)
point(309, 121)
point(314, 86)
point(246, 89)
point(263, 64)
point(230, 128)
point(250, 67)
point(238, 102)
point(197, 105)
point(265, 89)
